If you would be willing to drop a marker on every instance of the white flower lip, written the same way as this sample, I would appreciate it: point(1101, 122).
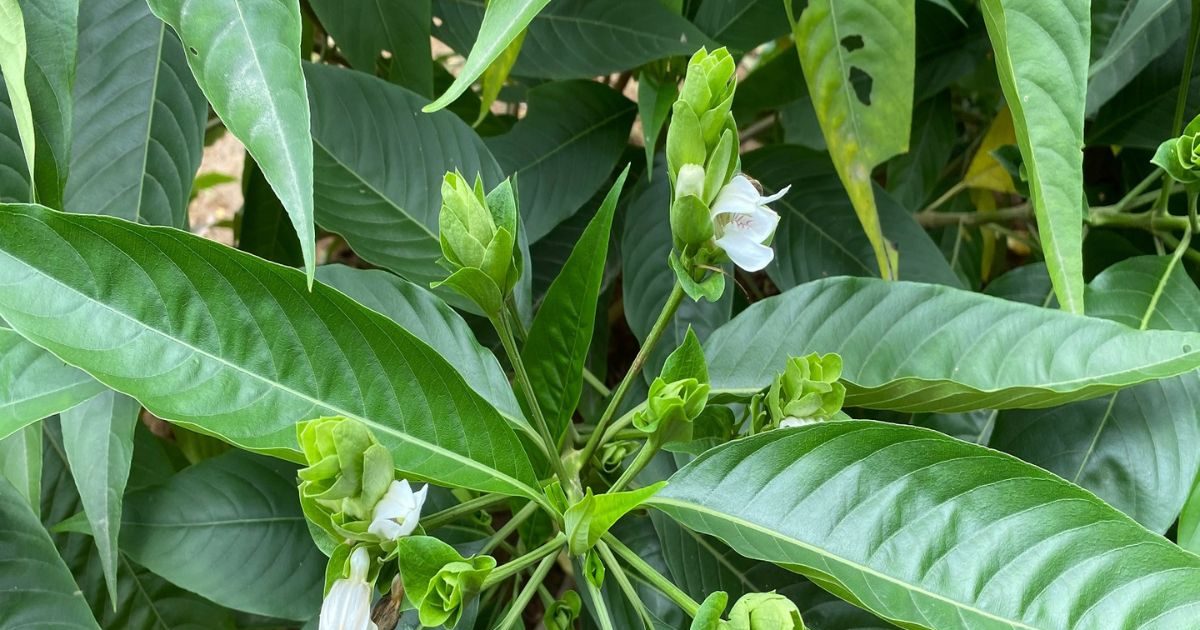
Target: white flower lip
point(743, 222)
point(398, 512)
point(348, 604)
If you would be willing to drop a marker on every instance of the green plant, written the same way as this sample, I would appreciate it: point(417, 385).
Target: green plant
point(850, 333)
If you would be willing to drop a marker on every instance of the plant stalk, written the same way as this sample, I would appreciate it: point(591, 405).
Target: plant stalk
point(656, 579)
point(508, 528)
point(523, 598)
point(470, 506)
point(643, 457)
point(623, 581)
point(545, 552)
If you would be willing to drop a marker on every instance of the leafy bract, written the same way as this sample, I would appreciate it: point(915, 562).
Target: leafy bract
point(184, 324)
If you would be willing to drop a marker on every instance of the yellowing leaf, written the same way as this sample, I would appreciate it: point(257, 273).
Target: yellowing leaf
point(985, 171)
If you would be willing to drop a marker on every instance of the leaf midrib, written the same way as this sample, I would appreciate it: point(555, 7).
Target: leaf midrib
point(780, 538)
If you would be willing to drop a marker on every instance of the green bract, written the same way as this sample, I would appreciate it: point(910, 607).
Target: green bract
point(478, 237)
point(672, 403)
point(1180, 157)
point(348, 473)
point(808, 389)
point(438, 580)
point(562, 613)
point(764, 611)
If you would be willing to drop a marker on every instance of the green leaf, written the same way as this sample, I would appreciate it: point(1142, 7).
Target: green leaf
point(266, 231)
point(380, 165)
point(913, 176)
point(655, 99)
point(401, 27)
point(1141, 114)
point(230, 529)
point(35, 384)
point(1138, 449)
point(591, 518)
point(929, 532)
point(916, 347)
point(819, 234)
point(429, 319)
point(15, 177)
point(146, 601)
point(98, 439)
point(742, 24)
point(1126, 37)
point(21, 464)
point(561, 334)
point(245, 56)
point(564, 149)
point(1042, 58)
point(180, 338)
point(36, 589)
point(139, 117)
point(12, 67)
point(497, 29)
point(579, 39)
point(51, 28)
point(858, 61)
point(1189, 521)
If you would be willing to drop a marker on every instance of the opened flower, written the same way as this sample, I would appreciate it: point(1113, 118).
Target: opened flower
point(397, 514)
point(742, 223)
point(348, 604)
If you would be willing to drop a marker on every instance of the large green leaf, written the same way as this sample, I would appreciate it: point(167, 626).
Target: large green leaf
point(579, 39)
point(858, 60)
point(421, 313)
point(139, 117)
point(917, 347)
point(401, 27)
point(1139, 448)
point(265, 230)
point(51, 28)
point(1141, 114)
point(21, 464)
point(246, 58)
point(1042, 58)
point(35, 384)
point(230, 529)
point(819, 234)
point(36, 589)
point(98, 440)
point(930, 532)
point(742, 24)
point(496, 30)
point(15, 176)
point(13, 55)
point(564, 149)
point(913, 176)
point(561, 334)
point(228, 344)
point(379, 168)
point(1126, 37)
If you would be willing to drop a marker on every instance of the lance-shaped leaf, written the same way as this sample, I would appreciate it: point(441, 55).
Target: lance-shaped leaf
point(502, 23)
point(401, 27)
point(230, 529)
point(1042, 58)
point(21, 463)
point(246, 58)
point(35, 384)
point(15, 176)
point(1126, 37)
point(858, 60)
point(230, 345)
point(139, 117)
point(930, 532)
point(12, 68)
point(379, 168)
point(51, 28)
point(917, 347)
point(36, 589)
point(562, 330)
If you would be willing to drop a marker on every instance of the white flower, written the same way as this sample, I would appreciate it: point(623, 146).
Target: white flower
point(398, 512)
point(742, 222)
point(348, 604)
point(791, 423)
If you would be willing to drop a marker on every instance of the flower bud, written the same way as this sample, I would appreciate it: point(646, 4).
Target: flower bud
point(685, 140)
point(708, 616)
point(765, 611)
point(672, 404)
point(348, 471)
point(561, 614)
point(807, 391)
point(438, 580)
point(478, 237)
point(613, 454)
point(709, 80)
point(398, 512)
point(347, 606)
point(1180, 157)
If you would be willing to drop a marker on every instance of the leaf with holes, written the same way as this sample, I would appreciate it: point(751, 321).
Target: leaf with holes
point(858, 60)
point(930, 532)
point(171, 309)
point(1042, 58)
point(246, 58)
point(918, 347)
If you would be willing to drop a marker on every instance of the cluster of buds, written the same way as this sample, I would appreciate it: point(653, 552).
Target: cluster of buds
point(807, 391)
point(717, 214)
point(1180, 157)
point(677, 396)
point(753, 611)
point(439, 581)
point(478, 236)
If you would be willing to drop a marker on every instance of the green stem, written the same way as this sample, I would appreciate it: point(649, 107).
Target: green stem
point(1180, 248)
point(653, 577)
point(508, 528)
point(545, 553)
point(1181, 99)
point(1148, 220)
point(656, 332)
point(522, 600)
point(504, 328)
point(644, 455)
point(1126, 202)
point(946, 196)
point(623, 581)
point(596, 383)
point(451, 514)
point(932, 219)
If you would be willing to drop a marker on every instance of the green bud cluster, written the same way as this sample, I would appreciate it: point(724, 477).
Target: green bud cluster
point(348, 472)
point(753, 611)
point(678, 395)
point(478, 236)
point(807, 390)
point(1180, 157)
point(438, 580)
point(562, 613)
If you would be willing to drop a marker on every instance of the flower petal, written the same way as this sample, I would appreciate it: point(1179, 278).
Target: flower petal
point(776, 197)
point(739, 196)
point(756, 226)
point(746, 253)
